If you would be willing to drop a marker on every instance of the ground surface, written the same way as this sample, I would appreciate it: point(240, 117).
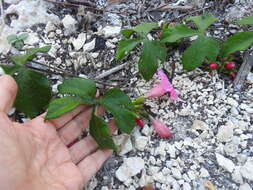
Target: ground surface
point(212, 124)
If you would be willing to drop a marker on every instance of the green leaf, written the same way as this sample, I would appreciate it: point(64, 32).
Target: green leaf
point(201, 49)
point(116, 96)
point(203, 21)
point(125, 46)
point(78, 86)
point(100, 131)
point(175, 33)
point(246, 20)
point(10, 70)
point(12, 38)
point(237, 42)
point(142, 29)
point(30, 54)
point(118, 103)
point(151, 53)
point(63, 105)
point(34, 92)
point(23, 36)
point(127, 32)
point(145, 28)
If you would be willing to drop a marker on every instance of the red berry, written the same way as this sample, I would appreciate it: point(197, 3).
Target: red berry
point(214, 65)
point(230, 65)
point(140, 122)
point(233, 74)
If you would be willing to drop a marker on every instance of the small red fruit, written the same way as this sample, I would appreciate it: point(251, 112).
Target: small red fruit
point(233, 74)
point(230, 65)
point(214, 65)
point(140, 122)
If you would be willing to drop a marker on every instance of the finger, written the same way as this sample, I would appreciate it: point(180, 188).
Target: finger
point(73, 129)
point(8, 92)
point(92, 163)
point(65, 118)
point(82, 148)
point(86, 146)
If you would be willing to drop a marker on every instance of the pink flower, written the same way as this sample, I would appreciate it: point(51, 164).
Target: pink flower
point(163, 87)
point(161, 129)
point(214, 65)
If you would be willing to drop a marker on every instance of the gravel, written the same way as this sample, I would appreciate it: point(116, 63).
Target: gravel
point(212, 124)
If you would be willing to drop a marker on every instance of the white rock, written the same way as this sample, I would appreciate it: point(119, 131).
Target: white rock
point(111, 31)
point(199, 125)
point(186, 186)
point(172, 151)
point(247, 169)
point(232, 102)
point(79, 41)
point(124, 141)
point(4, 44)
point(104, 188)
point(1, 71)
point(130, 167)
point(204, 172)
point(69, 22)
point(245, 186)
point(147, 130)
point(141, 143)
point(250, 78)
point(30, 13)
point(236, 175)
point(50, 27)
point(176, 173)
point(89, 46)
point(225, 163)
point(32, 39)
point(225, 133)
point(11, 1)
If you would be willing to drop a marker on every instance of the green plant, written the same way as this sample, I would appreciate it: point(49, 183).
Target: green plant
point(246, 20)
point(34, 88)
point(17, 40)
point(77, 91)
point(152, 51)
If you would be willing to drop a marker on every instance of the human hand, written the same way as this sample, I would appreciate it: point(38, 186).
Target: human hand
point(37, 154)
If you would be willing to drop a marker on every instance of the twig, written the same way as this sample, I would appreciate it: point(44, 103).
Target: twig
point(111, 71)
point(244, 70)
point(2, 16)
point(171, 7)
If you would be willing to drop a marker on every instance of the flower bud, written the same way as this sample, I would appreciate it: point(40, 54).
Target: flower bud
point(233, 74)
point(214, 65)
point(230, 65)
point(161, 129)
point(140, 122)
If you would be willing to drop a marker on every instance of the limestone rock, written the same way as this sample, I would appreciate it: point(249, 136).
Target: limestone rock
point(141, 143)
point(79, 41)
point(225, 163)
point(130, 167)
point(225, 133)
point(247, 170)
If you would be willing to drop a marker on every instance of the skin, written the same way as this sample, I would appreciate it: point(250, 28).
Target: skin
point(44, 155)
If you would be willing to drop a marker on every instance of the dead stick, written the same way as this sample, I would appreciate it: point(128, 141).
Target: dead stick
point(111, 71)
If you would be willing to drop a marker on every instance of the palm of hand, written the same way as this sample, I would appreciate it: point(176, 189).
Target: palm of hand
point(38, 153)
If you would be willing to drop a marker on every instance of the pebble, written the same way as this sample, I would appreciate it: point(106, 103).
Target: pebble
point(111, 31)
point(199, 125)
point(89, 46)
point(245, 186)
point(250, 78)
point(176, 173)
point(186, 186)
point(236, 175)
point(141, 143)
point(225, 163)
point(125, 143)
point(225, 133)
point(204, 173)
point(50, 27)
point(69, 24)
point(32, 39)
point(130, 167)
point(79, 41)
point(247, 169)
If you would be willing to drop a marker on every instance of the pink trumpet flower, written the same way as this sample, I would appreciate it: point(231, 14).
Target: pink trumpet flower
point(161, 129)
point(163, 87)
